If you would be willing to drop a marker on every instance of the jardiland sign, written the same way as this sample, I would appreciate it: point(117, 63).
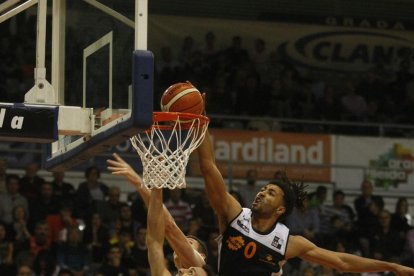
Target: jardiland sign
point(305, 157)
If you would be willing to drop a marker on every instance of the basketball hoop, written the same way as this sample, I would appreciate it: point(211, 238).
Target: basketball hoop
point(165, 148)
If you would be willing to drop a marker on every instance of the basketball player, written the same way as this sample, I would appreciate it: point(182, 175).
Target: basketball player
point(255, 242)
point(188, 251)
point(155, 240)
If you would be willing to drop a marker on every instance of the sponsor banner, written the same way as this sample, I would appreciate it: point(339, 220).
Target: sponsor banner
point(389, 163)
point(342, 21)
point(349, 46)
point(304, 157)
point(28, 123)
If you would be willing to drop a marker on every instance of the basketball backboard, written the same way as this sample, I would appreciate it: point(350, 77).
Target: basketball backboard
point(93, 76)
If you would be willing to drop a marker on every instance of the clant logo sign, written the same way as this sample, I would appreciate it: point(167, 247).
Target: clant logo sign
point(392, 167)
point(345, 50)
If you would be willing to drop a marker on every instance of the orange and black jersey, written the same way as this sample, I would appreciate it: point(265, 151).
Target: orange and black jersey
point(243, 251)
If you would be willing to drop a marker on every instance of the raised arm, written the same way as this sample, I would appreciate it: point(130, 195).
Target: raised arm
point(155, 234)
point(173, 233)
point(343, 262)
point(224, 204)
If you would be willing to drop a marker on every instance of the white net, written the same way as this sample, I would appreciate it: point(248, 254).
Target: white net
point(165, 149)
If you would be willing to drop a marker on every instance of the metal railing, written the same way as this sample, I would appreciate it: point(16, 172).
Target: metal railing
point(313, 126)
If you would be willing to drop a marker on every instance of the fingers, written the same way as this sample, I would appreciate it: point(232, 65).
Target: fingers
point(116, 163)
point(119, 158)
point(203, 95)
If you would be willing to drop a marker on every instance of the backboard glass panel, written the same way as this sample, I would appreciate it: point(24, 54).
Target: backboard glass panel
point(94, 59)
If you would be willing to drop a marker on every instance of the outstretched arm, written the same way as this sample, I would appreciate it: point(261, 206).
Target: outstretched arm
point(343, 262)
point(155, 234)
point(173, 233)
point(224, 204)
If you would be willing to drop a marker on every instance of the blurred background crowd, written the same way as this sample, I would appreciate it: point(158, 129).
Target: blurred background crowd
point(53, 227)
point(56, 227)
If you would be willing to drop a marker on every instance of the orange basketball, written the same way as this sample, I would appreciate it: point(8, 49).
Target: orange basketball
point(182, 97)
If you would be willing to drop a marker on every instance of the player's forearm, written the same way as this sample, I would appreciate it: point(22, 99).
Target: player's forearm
point(206, 152)
point(353, 263)
point(155, 224)
point(155, 233)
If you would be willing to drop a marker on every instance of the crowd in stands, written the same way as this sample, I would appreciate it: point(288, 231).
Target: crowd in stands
point(55, 228)
point(236, 76)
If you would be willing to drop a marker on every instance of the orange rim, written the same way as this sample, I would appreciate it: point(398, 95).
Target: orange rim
point(161, 116)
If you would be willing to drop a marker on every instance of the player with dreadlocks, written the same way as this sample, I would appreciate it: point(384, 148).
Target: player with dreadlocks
point(256, 242)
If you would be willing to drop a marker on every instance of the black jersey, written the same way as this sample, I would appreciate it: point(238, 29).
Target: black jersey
point(243, 251)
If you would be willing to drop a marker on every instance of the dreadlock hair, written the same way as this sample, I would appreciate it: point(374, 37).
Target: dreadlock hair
point(294, 192)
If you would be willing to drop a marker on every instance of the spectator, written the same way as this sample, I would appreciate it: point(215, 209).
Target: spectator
point(140, 252)
point(125, 221)
point(371, 87)
point(179, 209)
point(354, 106)
point(90, 193)
point(65, 272)
point(328, 107)
point(46, 204)
point(109, 209)
point(209, 49)
point(3, 175)
point(401, 218)
point(386, 242)
point(408, 253)
point(251, 90)
point(62, 189)
point(339, 203)
point(138, 208)
point(6, 252)
point(59, 223)
point(318, 198)
point(195, 229)
point(304, 222)
point(20, 232)
point(303, 102)
point(236, 55)
point(249, 190)
point(203, 211)
point(113, 265)
point(11, 199)
point(274, 68)
point(24, 270)
point(362, 202)
point(337, 218)
point(167, 68)
point(126, 243)
point(96, 238)
point(45, 263)
point(187, 52)
point(405, 112)
point(31, 182)
point(72, 254)
point(259, 55)
point(236, 195)
point(290, 84)
point(367, 226)
point(41, 240)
